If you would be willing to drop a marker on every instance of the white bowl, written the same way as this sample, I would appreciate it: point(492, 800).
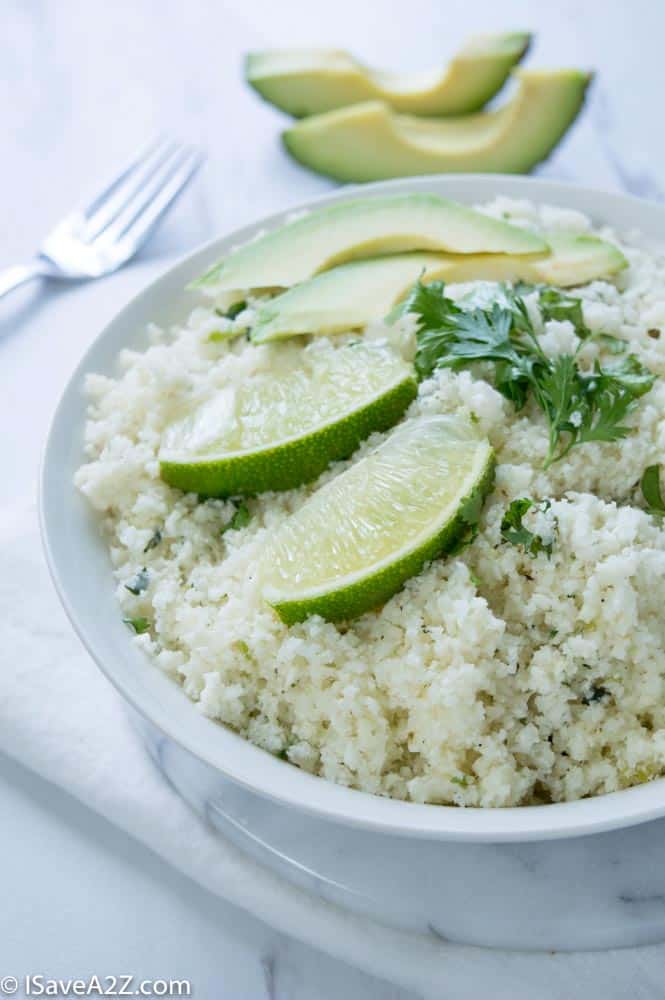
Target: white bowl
point(80, 567)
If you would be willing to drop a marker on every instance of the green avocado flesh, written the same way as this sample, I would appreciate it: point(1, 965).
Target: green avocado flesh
point(369, 142)
point(310, 81)
point(283, 426)
point(353, 295)
point(366, 227)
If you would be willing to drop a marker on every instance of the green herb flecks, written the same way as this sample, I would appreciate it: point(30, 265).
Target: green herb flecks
point(233, 310)
point(596, 693)
point(137, 625)
point(221, 336)
point(514, 531)
point(580, 406)
point(651, 491)
point(139, 583)
point(240, 519)
point(459, 780)
point(153, 541)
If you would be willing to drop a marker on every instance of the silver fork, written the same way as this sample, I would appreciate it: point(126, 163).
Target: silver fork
point(104, 234)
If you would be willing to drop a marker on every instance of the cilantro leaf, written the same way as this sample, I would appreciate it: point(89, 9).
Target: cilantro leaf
point(607, 395)
point(233, 310)
point(651, 491)
point(240, 519)
point(555, 304)
point(555, 392)
point(514, 531)
point(450, 337)
point(430, 304)
point(513, 296)
point(138, 625)
point(460, 780)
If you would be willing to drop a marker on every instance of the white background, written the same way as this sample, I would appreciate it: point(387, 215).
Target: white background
point(81, 84)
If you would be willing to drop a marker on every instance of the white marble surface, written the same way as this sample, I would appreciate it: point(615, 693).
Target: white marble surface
point(81, 84)
point(80, 898)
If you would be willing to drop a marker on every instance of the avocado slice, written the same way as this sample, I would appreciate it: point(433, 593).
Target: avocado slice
point(310, 81)
point(368, 142)
point(350, 296)
point(365, 227)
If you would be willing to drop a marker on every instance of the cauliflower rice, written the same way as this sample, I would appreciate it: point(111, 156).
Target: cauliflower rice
point(494, 678)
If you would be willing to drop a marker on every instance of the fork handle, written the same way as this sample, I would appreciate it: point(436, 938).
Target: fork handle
point(12, 277)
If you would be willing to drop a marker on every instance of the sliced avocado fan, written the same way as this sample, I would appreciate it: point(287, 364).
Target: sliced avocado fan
point(369, 142)
point(361, 228)
point(352, 295)
point(310, 81)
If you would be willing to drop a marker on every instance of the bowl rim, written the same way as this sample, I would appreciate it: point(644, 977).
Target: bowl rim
point(225, 751)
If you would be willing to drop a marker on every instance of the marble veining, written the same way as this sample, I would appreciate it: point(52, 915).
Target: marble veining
point(269, 966)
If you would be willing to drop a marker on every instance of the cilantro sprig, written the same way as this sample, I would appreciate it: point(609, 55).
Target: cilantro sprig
point(555, 304)
point(580, 406)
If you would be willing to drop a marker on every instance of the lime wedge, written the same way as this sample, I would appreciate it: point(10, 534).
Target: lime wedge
point(354, 543)
point(282, 428)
